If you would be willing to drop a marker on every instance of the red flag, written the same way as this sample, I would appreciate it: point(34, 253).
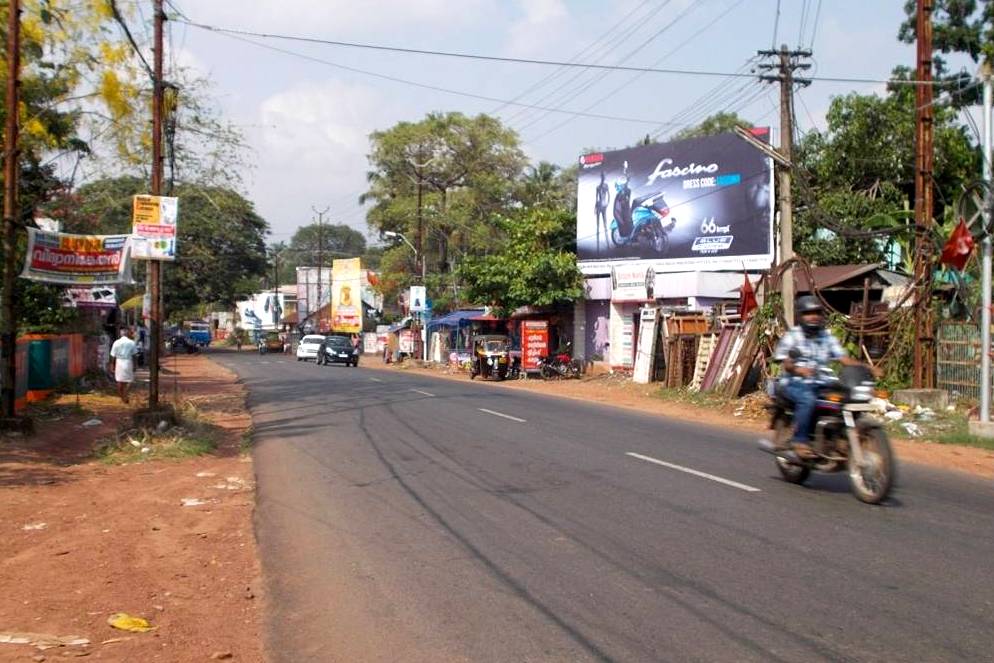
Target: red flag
point(747, 299)
point(958, 248)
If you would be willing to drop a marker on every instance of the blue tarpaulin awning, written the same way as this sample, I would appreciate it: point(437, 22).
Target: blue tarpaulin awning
point(455, 319)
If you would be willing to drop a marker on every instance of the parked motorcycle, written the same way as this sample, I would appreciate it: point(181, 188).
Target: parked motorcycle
point(641, 220)
point(561, 365)
point(847, 436)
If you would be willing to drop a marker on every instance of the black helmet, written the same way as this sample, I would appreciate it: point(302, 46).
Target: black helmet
point(809, 304)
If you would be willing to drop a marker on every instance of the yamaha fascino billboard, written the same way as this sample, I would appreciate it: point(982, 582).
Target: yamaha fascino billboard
point(697, 204)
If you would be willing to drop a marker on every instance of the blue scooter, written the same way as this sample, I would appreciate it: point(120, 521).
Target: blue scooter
point(640, 219)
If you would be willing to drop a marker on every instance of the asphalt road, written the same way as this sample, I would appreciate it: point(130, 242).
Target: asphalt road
point(404, 517)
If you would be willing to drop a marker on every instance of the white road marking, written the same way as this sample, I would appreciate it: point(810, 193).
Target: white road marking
point(696, 473)
point(423, 393)
point(376, 379)
point(500, 414)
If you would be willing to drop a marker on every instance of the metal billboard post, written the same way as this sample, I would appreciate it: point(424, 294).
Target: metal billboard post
point(985, 313)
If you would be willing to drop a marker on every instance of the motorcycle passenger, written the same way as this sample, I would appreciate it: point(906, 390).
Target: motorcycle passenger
point(805, 349)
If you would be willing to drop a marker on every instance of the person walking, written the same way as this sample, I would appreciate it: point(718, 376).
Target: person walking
point(122, 355)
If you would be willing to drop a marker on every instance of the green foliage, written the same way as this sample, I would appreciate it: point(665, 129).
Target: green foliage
point(958, 26)
point(221, 244)
point(719, 123)
point(528, 267)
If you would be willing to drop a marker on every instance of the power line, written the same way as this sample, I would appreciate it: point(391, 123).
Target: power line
point(534, 61)
point(116, 13)
point(776, 26)
point(814, 27)
point(427, 86)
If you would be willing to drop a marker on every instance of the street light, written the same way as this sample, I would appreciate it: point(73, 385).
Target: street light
point(391, 234)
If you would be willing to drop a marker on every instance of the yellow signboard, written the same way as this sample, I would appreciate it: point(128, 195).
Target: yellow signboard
point(346, 296)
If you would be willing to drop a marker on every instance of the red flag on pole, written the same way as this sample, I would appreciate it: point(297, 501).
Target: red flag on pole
point(747, 299)
point(958, 248)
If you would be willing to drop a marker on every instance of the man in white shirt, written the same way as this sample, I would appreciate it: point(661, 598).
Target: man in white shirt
point(122, 355)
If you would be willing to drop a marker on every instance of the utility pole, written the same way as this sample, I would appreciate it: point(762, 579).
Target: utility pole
point(155, 266)
point(985, 311)
point(320, 214)
point(788, 62)
point(924, 368)
point(8, 333)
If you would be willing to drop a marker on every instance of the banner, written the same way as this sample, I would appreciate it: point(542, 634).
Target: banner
point(154, 227)
point(76, 259)
point(83, 297)
point(346, 296)
point(262, 311)
point(534, 343)
point(692, 205)
point(417, 298)
point(632, 283)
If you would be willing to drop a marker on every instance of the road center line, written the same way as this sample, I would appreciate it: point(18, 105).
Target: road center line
point(696, 473)
point(376, 379)
point(423, 393)
point(501, 414)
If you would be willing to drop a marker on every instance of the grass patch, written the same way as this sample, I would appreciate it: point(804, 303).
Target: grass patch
point(699, 398)
point(195, 436)
point(248, 440)
point(959, 434)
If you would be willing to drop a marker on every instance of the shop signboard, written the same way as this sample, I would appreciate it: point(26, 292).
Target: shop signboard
point(370, 343)
point(154, 227)
point(417, 298)
point(104, 297)
point(632, 282)
point(76, 259)
point(406, 342)
point(346, 293)
point(701, 204)
point(646, 354)
point(534, 343)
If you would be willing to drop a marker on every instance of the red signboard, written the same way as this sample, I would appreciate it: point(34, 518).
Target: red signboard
point(534, 343)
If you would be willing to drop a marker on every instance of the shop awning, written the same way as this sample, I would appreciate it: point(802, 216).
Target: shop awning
point(133, 303)
point(403, 324)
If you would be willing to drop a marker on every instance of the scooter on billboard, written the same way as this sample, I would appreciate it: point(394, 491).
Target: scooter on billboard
point(640, 220)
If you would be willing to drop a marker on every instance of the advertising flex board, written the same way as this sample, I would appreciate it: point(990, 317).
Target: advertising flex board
point(262, 311)
point(76, 259)
point(534, 343)
point(154, 227)
point(346, 296)
point(697, 204)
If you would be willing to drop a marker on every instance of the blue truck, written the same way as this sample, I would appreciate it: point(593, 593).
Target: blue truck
point(198, 333)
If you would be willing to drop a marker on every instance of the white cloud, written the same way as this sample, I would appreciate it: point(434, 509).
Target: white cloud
point(311, 143)
point(334, 18)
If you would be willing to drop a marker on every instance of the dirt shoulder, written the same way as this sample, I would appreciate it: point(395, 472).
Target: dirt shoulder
point(82, 538)
point(741, 414)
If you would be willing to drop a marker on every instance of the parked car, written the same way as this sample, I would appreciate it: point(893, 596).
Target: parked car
point(308, 347)
point(270, 342)
point(338, 350)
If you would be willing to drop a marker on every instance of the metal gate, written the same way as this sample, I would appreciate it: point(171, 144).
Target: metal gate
point(958, 360)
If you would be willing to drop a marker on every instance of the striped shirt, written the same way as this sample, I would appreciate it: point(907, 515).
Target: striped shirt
point(818, 351)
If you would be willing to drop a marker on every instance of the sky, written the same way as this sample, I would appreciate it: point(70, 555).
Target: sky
point(307, 115)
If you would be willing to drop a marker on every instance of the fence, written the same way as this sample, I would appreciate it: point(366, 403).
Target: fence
point(958, 359)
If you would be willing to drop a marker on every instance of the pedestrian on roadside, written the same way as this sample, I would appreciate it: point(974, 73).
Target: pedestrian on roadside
point(238, 340)
point(122, 355)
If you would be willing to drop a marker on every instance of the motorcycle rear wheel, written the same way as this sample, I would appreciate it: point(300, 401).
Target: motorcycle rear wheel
point(548, 372)
point(872, 483)
point(791, 472)
point(660, 241)
point(616, 237)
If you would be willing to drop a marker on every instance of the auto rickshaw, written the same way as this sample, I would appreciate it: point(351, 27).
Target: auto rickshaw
point(491, 356)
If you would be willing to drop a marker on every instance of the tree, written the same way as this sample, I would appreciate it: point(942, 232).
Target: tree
point(548, 185)
point(531, 265)
point(221, 247)
point(859, 173)
point(718, 123)
point(334, 240)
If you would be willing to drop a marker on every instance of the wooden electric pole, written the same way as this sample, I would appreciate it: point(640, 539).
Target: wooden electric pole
point(155, 266)
point(924, 349)
point(8, 333)
point(788, 62)
point(320, 214)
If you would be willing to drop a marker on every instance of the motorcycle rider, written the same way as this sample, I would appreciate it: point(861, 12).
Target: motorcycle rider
point(803, 350)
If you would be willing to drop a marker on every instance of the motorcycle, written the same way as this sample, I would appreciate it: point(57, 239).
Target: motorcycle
point(847, 436)
point(640, 220)
point(562, 365)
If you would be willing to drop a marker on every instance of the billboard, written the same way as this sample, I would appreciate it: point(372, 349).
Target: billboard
point(262, 311)
point(77, 259)
point(697, 204)
point(346, 296)
point(90, 297)
point(154, 227)
point(307, 290)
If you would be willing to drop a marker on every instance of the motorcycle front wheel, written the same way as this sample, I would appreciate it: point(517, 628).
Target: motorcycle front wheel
point(871, 482)
point(616, 237)
point(791, 472)
point(548, 372)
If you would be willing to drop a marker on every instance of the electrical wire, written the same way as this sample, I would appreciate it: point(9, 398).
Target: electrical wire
point(776, 27)
point(531, 61)
point(119, 19)
point(814, 27)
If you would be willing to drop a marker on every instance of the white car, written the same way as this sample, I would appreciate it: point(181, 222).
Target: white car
point(308, 347)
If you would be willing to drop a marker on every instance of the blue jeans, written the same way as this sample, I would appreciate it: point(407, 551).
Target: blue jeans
point(802, 394)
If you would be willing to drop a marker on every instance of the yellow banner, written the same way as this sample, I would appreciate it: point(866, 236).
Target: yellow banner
point(346, 296)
